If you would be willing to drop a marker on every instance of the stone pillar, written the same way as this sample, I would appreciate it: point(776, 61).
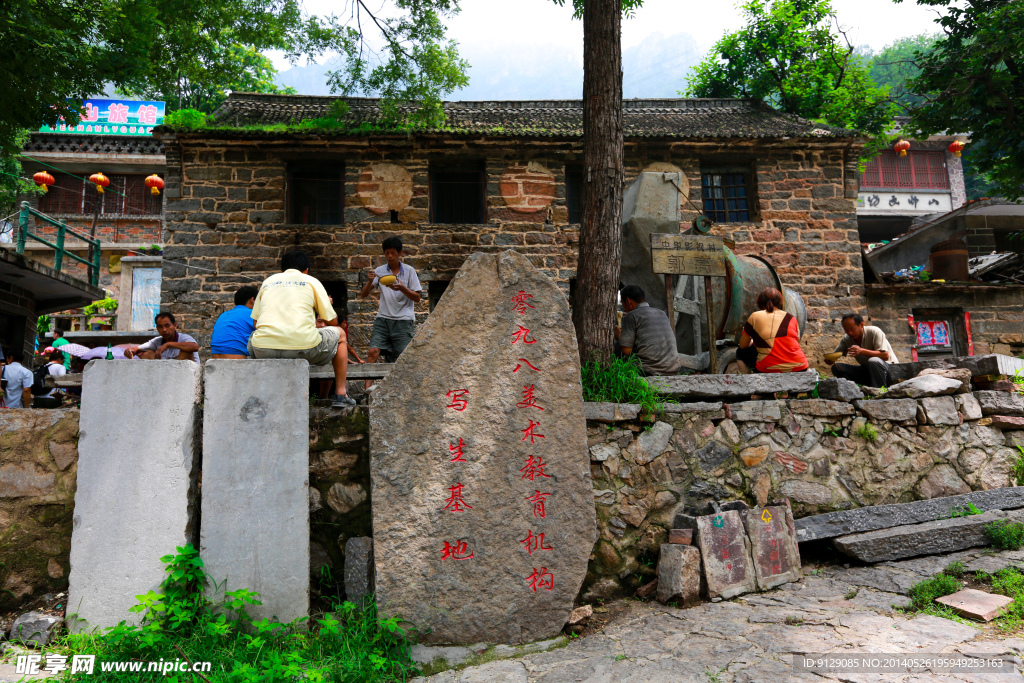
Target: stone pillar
point(255, 531)
point(137, 469)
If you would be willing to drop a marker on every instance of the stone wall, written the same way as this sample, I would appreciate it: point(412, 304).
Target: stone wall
point(38, 464)
point(226, 214)
point(997, 314)
point(815, 452)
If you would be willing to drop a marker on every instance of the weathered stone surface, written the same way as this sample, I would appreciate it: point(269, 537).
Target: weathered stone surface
point(819, 407)
point(1000, 403)
point(712, 454)
point(135, 500)
point(678, 574)
point(359, 571)
point(791, 462)
point(34, 628)
point(1007, 422)
point(940, 410)
point(680, 536)
point(930, 538)
point(344, 498)
point(580, 615)
point(895, 409)
point(611, 412)
point(651, 443)
point(969, 406)
point(832, 524)
point(516, 587)
point(603, 451)
point(835, 389)
point(725, 555)
point(24, 480)
point(773, 546)
point(962, 375)
point(713, 386)
point(975, 604)
point(755, 455)
point(805, 492)
point(942, 481)
point(251, 443)
point(756, 411)
point(924, 386)
point(989, 364)
point(696, 407)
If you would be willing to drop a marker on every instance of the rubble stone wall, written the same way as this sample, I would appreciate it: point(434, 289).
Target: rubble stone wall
point(226, 213)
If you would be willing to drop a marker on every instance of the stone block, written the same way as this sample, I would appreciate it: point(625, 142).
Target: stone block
point(773, 548)
point(34, 629)
point(832, 524)
point(712, 454)
point(602, 451)
point(963, 375)
point(678, 574)
point(1007, 422)
point(807, 492)
point(835, 389)
point(930, 538)
point(135, 499)
point(969, 406)
point(714, 386)
point(650, 443)
point(611, 412)
point(1000, 403)
point(940, 482)
point(756, 411)
point(940, 410)
point(975, 604)
point(359, 570)
point(924, 386)
point(680, 536)
point(819, 407)
point(755, 455)
point(894, 409)
point(255, 443)
point(696, 407)
point(458, 549)
point(725, 555)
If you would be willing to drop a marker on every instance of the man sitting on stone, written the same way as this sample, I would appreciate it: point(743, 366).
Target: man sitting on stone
point(868, 346)
point(231, 332)
point(286, 312)
point(647, 332)
point(170, 345)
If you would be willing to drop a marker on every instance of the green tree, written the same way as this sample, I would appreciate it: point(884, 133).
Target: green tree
point(13, 184)
point(896, 64)
point(972, 81)
point(792, 55)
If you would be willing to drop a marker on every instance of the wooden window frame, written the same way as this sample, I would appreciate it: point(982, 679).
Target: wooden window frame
point(725, 214)
point(440, 215)
point(920, 170)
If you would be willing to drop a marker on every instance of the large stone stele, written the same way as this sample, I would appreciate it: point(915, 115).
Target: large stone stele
point(503, 561)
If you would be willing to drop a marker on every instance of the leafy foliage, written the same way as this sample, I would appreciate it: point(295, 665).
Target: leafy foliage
point(923, 594)
point(973, 81)
point(867, 432)
point(1018, 467)
point(1005, 534)
point(896, 64)
point(13, 181)
point(1010, 582)
point(964, 510)
point(791, 55)
point(619, 380)
point(350, 644)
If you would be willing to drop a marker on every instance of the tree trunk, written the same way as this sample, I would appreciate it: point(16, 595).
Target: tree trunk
point(597, 272)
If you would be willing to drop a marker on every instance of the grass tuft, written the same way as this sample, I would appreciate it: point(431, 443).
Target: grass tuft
point(867, 432)
point(923, 594)
point(620, 380)
point(1005, 534)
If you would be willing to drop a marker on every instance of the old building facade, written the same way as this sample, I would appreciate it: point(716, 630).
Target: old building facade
point(499, 175)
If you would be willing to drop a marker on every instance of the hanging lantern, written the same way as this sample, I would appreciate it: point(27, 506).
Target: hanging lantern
point(155, 183)
point(43, 179)
point(956, 147)
point(901, 147)
point(100, 181)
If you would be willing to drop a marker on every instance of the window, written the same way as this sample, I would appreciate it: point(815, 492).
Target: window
point(574, 193)
point(919, 170)
point(316, 194)
point(725, 197)
point(127, 195)
point(457, 196)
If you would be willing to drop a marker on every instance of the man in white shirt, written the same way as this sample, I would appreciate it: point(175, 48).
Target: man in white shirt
point(395, 323)
point(170, 345)
point(18, 378)
point(868, 346)
point(54, 368)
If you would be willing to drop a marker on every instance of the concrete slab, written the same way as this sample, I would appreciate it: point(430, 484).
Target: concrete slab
point(255, 531)
point(975, 604)
point(136, 486)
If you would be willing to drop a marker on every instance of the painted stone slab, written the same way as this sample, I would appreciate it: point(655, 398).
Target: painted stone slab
point(725, 553)
point(483, 507)
point(773, 546)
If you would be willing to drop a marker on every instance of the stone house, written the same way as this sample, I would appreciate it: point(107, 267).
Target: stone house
point(259, 179)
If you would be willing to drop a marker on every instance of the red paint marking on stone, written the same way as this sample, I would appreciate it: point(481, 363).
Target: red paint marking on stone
point(456, 552)
point(542, 579)
point(534, 467)
point(529, 400)
point(523, 335)
point(456, 450)
point(458, 399)
point(455, 502)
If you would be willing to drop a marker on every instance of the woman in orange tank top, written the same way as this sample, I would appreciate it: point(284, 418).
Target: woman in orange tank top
point(775, 335)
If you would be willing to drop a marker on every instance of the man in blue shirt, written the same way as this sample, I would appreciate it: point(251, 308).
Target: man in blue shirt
point(232, 330)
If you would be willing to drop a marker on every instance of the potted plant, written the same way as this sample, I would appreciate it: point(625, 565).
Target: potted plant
point(155, 250)
point(100, 313)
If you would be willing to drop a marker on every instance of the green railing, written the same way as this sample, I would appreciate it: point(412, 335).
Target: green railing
point(92, 263)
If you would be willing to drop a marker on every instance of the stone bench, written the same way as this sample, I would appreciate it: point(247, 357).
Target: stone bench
point(715, 386)
point(365, 371)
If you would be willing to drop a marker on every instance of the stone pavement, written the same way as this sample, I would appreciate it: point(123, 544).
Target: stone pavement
point(751, 639)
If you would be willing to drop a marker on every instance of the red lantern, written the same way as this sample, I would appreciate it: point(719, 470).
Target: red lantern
point(155, 183)
point(100, 181)
point(43, 179)
point(901, 147)
point(956, 147)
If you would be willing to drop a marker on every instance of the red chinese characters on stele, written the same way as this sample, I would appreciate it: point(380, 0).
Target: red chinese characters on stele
point(531, 433)
point(522, 362)
point(529, 400)
point(533, 542)
point(457, 551)
point(538, 499)
point(541, 579)
point(456, 451)
point(522, 335)
point(455, 502)
point(457, 398)
point(534, 467)
point(520, 302)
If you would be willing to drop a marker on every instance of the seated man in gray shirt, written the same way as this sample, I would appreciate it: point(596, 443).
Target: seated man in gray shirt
point(170, 345)
point(647, 332)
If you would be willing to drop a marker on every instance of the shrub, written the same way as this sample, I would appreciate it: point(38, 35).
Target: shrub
point(964, 510)
point(1005, 534)
point(185, 118)
point(954, 569)
point(867, 432)
point(619, 380)
point(923, 594)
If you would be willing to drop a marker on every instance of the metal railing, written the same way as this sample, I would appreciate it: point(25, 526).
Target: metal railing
point(92, 263)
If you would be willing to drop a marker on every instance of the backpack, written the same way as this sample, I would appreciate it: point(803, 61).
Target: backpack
point(38, 378)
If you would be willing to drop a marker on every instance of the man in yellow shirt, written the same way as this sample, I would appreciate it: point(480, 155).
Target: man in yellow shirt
point(286, 311)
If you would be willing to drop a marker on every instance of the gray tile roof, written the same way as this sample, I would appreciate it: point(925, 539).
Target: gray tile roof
point(666, 118)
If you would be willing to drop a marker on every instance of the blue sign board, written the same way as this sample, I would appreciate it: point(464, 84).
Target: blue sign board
point(114, 117)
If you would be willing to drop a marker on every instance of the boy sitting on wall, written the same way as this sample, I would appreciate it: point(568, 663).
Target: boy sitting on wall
point(395, 323)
